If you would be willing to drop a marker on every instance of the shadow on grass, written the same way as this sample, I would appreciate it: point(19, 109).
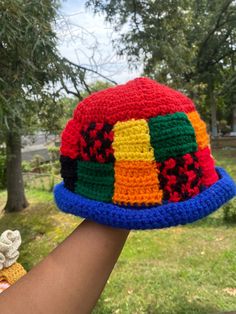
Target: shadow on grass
point(211, 222)
point(33, 223)
point(182, 306)
point(216, 219)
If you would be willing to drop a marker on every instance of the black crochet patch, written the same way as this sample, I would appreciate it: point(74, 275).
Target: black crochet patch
point(69, 172)
point(96, 143)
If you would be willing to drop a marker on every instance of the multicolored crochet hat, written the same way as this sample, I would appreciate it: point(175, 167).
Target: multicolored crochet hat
point(137, 156)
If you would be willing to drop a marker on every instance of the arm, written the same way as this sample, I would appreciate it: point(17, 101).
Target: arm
point(71, 278)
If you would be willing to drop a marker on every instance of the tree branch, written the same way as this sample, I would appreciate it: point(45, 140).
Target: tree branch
point(69, 91)
point(217, 25)
point(135, 15)
point(89, 70)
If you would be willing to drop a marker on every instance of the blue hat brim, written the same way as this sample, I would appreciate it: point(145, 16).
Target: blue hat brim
point(156, 217)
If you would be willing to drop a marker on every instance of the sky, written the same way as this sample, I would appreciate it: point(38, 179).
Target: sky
point(85, 39)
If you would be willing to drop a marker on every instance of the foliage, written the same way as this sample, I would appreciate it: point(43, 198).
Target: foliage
point(42, 227)
point(97, 86)
point(226, 158)
point(69, 103)
point(187, 44)
point(53, 152)
point(50, 167)
point(33, 76)
point(43, 176)
point(230, 212)
point(27, 54)
point(224, 128)
point(183, 39)
point(30, 70)
point(37, 161)
point(2, 172)
point(33, 73)
point(41, 181)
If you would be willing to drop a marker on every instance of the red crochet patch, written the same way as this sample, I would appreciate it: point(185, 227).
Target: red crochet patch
point(95, 142)
point(70, 139)
point(141, 98)
point(209, 174)
point(180, 178)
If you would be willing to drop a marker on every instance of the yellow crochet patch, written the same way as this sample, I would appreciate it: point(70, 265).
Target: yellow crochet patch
point(136, 183)
point(199, 126)
point(132, 141)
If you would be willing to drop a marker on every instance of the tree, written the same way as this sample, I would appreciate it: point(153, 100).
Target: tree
point(68, 104)
point(27, 48)
point(185, 43)
point(33, 74)
point(216, 49)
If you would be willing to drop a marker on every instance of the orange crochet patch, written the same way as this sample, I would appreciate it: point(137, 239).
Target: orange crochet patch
point(199, 126)
point(136, 183)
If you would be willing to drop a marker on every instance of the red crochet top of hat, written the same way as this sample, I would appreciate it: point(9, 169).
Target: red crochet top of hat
point(137, 144)
point(141, 98)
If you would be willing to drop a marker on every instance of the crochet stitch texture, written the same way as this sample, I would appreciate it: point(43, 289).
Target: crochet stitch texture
point(10, 242)
point(13, 273)
point(137, 156)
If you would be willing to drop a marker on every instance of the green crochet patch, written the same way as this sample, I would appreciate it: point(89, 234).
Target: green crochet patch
point(95, 180)
point(172, 135)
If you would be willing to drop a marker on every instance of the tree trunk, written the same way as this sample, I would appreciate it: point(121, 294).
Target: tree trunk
point(234, 118)
point(16, 200)
point(212, 101)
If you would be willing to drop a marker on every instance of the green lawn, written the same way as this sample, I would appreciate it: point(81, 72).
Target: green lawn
point(182, 270)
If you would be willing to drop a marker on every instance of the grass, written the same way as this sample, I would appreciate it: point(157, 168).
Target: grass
point(182, 270)
point(41, 225)
point(226, 158)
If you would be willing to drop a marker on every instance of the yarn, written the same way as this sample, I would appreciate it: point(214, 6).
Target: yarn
point(139, 152)
point(68, 171)
point(207, 165)
point(95, 142)
point(171, 136)
point(180, 178)
point(70, 139)
point(171, 214)
point(95, 180)
point(136, 182)
point(141, 98)
point(2, 260)
point(200, 129)
point(12, 273)
point(132, 141)
point(10, 241)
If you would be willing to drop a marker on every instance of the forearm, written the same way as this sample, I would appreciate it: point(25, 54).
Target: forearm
point(72, 277)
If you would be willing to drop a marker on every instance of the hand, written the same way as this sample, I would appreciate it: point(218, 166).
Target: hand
point(71, 278)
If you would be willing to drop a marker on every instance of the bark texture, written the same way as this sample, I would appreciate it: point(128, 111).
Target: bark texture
point(16, 200)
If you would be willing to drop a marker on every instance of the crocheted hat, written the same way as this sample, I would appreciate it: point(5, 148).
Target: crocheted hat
point(137, 156)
